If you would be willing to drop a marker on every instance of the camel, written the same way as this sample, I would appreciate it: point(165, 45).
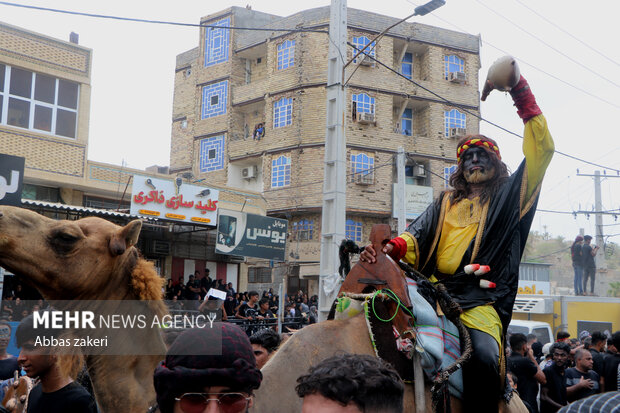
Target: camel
point(90, 259)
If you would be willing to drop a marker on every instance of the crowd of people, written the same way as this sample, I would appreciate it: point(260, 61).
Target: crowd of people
point(555, 375)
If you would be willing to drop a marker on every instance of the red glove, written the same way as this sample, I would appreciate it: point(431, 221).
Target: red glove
point(399, 249)
point(524, 100)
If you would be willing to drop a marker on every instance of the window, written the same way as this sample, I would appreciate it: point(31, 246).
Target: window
point(447, 173)
point(41, 193)
point(359, 43)
point(406, 66)
point(281, 171)
point(362, 168)
point(286, 54)
point(259, 275)
point(353, 230)
point(211, 154)
point(38, 102)
point(214, 99)
point(454, 119)
point(452, 64)
point(406, 122)
point(216, 42)
point(302, 230)
point(363, 103)
point(283, 112)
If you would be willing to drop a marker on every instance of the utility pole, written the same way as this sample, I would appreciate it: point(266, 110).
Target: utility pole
point(334, 183)
point(401, 197)
point(598, 212)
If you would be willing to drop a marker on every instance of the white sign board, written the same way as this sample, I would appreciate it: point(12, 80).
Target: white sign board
point(174, 200)
point(534, 287)
point(417, 199)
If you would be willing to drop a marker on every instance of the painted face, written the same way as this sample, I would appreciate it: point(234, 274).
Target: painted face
point(477, 165)
point(560, 357)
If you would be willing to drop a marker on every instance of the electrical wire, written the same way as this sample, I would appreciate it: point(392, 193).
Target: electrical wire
point(133, 19)
point(527, 63)
point(547, 255)
point(592, 48)
point(462, 107)
point(578, 63)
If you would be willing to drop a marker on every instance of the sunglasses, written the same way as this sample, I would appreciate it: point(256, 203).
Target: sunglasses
point(227, 402)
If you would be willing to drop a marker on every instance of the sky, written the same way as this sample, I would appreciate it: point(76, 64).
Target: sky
point(566, 50)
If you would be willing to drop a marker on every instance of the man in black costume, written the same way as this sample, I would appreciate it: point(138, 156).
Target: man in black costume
point(484, 220)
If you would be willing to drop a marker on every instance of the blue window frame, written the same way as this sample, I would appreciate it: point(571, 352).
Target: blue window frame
point(447, 172)
point(406, 66)
point(353, 230)
point(362, 164)
point(283, 112)
point(363, 103)
point(212, 154)
point(452, 64)
point(454, 119)
point(217, 42)
point(359, 43)
point(286, 54)
point(302, 230)
point(214, 99)
point(406, 122)
point(281, 171)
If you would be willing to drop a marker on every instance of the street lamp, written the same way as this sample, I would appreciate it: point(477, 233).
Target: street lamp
point(429, 7)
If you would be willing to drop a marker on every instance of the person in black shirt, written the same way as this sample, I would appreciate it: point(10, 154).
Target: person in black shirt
point(248, 310)
point(589, 267)
point(523, 364)
point(553, 392)
point(8, 362)
point(596, 348)
point(610, 371)
point(576, 257)
point(263, 310)
point(55, 392)
point(581, 380)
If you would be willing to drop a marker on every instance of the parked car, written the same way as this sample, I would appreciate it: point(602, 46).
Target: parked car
point(542, 330)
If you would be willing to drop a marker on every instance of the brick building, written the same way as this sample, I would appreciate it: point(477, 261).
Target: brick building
point(249, 112)
point(45, 88)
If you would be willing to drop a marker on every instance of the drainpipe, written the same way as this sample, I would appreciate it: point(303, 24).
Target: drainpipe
point(564, 313)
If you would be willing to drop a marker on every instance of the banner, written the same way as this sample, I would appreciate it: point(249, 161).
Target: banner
point(249, 235)
point(174, 200)
point(11, 179)
point(417, 199)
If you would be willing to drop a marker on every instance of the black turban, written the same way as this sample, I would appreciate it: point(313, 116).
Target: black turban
point(181, 372)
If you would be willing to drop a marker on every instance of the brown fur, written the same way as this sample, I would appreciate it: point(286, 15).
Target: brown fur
point(89, 259)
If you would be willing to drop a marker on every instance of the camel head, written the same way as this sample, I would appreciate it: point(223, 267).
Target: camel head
point(69, 259)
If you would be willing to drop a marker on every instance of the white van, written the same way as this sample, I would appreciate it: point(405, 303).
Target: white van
point(542, 330)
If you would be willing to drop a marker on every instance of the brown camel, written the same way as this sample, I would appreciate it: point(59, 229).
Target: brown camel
point(90, 259)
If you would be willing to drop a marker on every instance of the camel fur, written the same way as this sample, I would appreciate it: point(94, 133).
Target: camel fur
point(90, 259)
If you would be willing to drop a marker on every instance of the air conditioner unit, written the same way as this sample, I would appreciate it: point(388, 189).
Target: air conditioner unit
point(457, 77)
point(419, 171)
point(366, 118)
point(249, 172)
point(454, 132)
point(532, 305)
point(364, 179)
point(366, 61)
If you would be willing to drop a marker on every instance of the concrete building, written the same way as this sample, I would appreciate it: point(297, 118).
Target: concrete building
point(249, 112)
point(45, 92)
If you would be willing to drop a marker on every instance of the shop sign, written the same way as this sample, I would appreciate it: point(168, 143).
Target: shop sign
point(417, 199)
point(11, 179)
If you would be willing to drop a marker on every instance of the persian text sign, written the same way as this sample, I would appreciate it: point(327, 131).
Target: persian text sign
point(174, 200)
point(534, 287)
point(11, 179)
point(417, 199)
point(249, 235)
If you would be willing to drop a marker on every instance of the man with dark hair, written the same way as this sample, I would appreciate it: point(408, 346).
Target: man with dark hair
point(485, 219)
point(523, 364)
point(610, 370)
point(581, 380)
point(55, 392)
point(562, 336)
point(553, 392)
point(190, 379)
point(8, 362)
point(596, 348)
point(351, 383)
point(589, 266)
point(249, 310)
point(263, 310)
point(264, 343)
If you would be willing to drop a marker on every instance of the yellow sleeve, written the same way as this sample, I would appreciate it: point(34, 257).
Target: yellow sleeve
point(412, 249)
point(538, 149)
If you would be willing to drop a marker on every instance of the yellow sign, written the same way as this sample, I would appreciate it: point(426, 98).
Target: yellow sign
point(174, 216)
point(147, 212)
point(200, 219)
point(529, 290)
